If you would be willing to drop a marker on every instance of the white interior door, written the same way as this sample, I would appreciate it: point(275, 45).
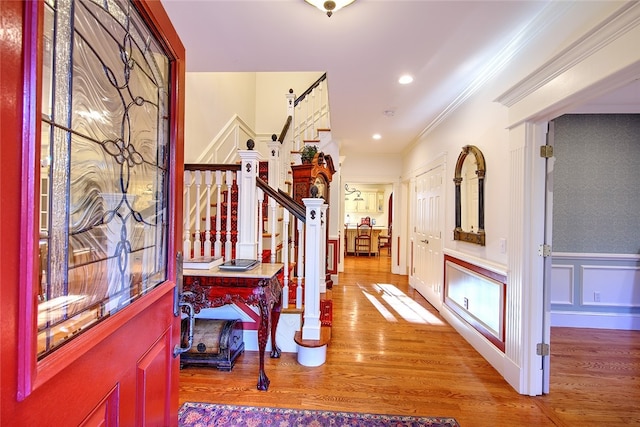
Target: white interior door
point(427, 275)
point(420, 237)
point(548, 261)
point(434, 228)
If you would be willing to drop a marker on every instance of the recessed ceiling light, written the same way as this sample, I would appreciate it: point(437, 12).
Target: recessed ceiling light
point(405, 80)
point(377, 136)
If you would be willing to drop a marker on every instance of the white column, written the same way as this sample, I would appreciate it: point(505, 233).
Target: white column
point(277, 182)
point(313, 241)
point(289, 142)
point(274, 164)
point(247, 247)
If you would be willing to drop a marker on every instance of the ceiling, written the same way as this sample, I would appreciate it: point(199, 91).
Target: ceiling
point(363, 48)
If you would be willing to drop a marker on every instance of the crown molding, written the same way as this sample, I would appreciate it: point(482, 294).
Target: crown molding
point(626, 18)
point(517, 44)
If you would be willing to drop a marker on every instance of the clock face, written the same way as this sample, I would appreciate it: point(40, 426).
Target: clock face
point(322, 187)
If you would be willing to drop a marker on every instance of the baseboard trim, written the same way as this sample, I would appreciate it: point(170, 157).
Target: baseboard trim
point(625, 322)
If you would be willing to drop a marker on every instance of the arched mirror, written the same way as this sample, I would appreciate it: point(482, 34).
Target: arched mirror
point(469, 181)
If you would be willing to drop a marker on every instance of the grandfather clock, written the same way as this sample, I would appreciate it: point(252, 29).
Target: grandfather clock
point(319, 173)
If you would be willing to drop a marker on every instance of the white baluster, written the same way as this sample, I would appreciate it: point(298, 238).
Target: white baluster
point(208, 178)
point(314, 109)
point(218, 243)
point(306, 120)
point(227, 244)
point(260, 196)
point(292, 246)
point(300, 264)
point(285, 258)
point(197, 243)
point(323, 122)
point(186, 245)
point(299, 136)
point(273, 223)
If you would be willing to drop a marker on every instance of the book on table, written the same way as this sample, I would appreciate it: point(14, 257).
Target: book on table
point(202, 263)
point(239, 264)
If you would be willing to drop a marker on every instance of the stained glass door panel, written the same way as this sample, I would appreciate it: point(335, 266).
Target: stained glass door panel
point(105, 135)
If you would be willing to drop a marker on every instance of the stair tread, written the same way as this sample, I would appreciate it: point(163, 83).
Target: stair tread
point(325, 338)
point(292, 310)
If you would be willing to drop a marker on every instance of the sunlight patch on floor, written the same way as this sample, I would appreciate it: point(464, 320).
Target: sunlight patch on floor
point(404, 305)
point(380, 307)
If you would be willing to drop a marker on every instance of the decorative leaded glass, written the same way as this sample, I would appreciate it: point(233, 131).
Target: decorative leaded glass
point(104, 165)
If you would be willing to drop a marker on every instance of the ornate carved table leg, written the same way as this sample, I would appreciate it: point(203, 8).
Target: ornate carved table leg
point(263, 380)
point(275, 317)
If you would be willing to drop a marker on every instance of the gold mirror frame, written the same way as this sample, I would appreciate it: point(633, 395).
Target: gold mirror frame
point(458, 233)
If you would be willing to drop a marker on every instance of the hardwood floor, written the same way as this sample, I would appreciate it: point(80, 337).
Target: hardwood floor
point(380, 362)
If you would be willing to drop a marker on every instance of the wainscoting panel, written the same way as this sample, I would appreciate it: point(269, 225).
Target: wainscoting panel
point(562, 284)
point(604, 294)
point(604, 285)
point(478, 296)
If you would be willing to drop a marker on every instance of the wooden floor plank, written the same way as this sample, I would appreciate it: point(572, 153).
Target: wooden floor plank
point(396, 366)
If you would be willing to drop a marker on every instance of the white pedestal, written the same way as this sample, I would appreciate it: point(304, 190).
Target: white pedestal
point(312, 356)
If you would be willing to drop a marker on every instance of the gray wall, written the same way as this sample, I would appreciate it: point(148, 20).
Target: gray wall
point(596, 184)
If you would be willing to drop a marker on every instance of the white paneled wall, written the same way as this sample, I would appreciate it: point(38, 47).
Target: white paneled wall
point(595, 291)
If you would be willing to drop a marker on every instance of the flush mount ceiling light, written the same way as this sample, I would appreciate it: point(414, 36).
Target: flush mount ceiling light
point(405, 80)
point(377, 136)
point(329, 6)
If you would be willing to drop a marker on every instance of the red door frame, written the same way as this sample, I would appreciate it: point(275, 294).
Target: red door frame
point(103, 375)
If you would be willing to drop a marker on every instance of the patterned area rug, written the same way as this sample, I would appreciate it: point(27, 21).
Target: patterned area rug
point(209, 414)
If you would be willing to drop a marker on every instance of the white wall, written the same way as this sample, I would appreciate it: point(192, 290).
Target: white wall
point(211, 100)
point(372, 169)
point(480, 122)
point(271, 89)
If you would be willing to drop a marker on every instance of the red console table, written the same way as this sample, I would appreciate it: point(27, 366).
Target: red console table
point(258, 286)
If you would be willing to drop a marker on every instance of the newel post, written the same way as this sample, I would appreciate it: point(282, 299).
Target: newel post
point(275, 177)
point(323, 249)
point(291, 112)
point(247, 247)
point(313, 242)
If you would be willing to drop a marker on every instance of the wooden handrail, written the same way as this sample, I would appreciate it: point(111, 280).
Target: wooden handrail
point(311, 88)
point(212, 167)
point(284, 199)
point(285, 129)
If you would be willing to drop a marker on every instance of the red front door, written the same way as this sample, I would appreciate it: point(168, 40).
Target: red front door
point(91, 155)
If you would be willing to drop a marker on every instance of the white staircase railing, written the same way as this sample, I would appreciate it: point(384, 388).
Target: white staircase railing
point(311, 112)
point(206, 234)
point(224, 209)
